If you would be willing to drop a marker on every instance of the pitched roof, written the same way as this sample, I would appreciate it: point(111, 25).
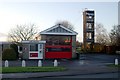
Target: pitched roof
point(58, 30)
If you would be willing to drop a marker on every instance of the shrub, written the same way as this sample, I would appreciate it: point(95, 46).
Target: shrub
point(9, 54)
point(15, 47)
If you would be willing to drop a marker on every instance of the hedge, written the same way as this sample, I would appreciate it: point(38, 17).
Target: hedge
point(15, 47)
point(9, 54)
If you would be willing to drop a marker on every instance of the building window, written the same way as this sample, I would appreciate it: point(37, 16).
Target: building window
point(89, 26)
point(33, 47)
point(20, 48)
point(58, 40)
point(89, 35)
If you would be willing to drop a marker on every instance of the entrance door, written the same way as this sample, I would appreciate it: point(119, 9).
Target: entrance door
point(40, 51)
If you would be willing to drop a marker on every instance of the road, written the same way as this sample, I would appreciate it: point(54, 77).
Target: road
point(103, 76)
point(99, 75)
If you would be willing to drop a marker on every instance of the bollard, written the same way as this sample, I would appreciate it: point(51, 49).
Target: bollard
point(55, 63)
point(23, 63)
point(116, 61)
point(39, 63)
point(6, 63)
point(82, 62)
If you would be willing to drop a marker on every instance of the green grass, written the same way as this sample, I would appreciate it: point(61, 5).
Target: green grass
point(113, 65)
point(0, 69)
point(31, 69)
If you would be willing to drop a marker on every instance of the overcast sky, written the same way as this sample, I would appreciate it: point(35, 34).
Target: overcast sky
point(46, 14)
point(119, 13)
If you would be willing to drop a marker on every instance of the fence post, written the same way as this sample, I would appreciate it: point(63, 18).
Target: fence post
point(23, 63)
point(116, 61)
point(6, 63)
point(55, 63)
point(39, 63)
point(82, 62)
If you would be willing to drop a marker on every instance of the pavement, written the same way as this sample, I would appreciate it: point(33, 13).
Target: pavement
point(74, 67)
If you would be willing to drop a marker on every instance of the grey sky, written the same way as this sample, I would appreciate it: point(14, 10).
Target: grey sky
point(46, 14)
point(119, 13)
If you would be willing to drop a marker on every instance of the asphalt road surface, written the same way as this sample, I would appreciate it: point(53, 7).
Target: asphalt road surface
point(100, 75)
point(103, 76)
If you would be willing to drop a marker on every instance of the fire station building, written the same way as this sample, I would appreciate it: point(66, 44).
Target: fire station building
point(60, 42)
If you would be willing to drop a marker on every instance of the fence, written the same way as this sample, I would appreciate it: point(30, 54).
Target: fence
point(39, 63)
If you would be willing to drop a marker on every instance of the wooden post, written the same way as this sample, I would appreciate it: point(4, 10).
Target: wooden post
point(39, 63)
point(6, 63)
point(116, 61)
point(55, 63)
point(23, 63)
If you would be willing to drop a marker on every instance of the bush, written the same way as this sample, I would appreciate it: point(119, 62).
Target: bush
point(15, 47)
point(9, 54)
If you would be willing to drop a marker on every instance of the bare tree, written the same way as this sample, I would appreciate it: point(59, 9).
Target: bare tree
point(66, 24)
point(115, 35)
point(22, 32)
point(102, 36)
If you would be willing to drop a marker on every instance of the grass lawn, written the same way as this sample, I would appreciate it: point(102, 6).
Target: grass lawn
point(31, 69)
point(113, 65)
